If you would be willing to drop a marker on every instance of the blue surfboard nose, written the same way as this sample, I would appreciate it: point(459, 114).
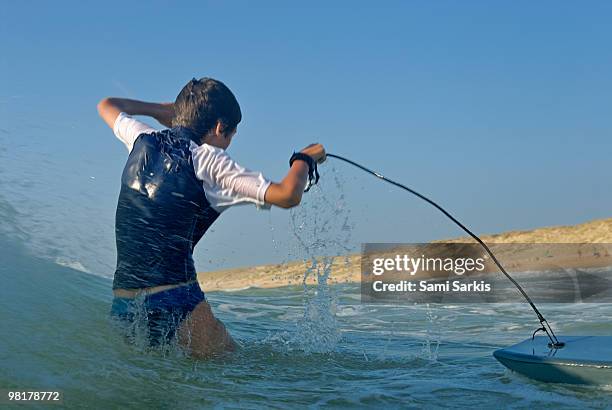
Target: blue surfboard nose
point(582, 360)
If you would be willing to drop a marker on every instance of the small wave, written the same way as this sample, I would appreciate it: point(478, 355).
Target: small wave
point(72, 264)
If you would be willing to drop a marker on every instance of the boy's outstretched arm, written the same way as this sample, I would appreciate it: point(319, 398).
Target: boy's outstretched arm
point(288, 193)
point(110, 108)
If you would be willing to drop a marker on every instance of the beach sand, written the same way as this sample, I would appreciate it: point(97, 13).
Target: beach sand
point(515, 257)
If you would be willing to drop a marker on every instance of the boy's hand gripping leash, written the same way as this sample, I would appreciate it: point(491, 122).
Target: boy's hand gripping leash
point(313, 178)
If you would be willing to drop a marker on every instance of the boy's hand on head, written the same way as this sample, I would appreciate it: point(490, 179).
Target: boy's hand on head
point(316, 151)
point(165, 114)
point(110, 108)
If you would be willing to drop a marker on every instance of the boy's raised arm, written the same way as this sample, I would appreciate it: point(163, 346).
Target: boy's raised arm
point(110, 108)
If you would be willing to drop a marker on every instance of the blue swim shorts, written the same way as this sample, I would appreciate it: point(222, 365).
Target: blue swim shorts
point(157, 317)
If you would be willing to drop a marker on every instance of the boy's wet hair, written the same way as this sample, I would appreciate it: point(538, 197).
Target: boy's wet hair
point(201, 103)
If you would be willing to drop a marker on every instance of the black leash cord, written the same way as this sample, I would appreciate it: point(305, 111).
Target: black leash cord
point(554, 342)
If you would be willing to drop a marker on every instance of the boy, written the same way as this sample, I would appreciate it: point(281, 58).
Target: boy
point(175, 184)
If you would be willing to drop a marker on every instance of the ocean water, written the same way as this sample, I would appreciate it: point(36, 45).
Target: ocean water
point(300, 346)
point(56, 335)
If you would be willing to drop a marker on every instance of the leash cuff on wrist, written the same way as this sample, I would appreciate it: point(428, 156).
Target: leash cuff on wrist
point(313, 172)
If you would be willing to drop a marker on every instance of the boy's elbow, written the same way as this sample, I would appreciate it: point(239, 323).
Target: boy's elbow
point(284, 196)
point(289, 202)
point(103, 104)
point(292, 200)
point(108, 103)
point(295, 197)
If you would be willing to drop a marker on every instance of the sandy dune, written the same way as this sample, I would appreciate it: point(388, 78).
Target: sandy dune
point(346, 269)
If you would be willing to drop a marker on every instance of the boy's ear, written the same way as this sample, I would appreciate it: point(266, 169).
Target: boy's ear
point(221, 129)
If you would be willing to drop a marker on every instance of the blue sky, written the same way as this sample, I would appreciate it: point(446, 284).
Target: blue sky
point(498, 110)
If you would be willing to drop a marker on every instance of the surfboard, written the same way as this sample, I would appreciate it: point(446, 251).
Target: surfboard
point(583, 359)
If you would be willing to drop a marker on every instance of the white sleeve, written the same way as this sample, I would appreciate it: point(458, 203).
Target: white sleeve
point(225, 182)
point(127, 129)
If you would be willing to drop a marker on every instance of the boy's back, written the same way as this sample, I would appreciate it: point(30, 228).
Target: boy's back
point(162, 213)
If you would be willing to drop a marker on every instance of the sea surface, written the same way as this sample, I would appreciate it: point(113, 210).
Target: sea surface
point(300, 347)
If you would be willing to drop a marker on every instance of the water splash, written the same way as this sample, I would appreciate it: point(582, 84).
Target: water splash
point(431, 344)
point(322, 229)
